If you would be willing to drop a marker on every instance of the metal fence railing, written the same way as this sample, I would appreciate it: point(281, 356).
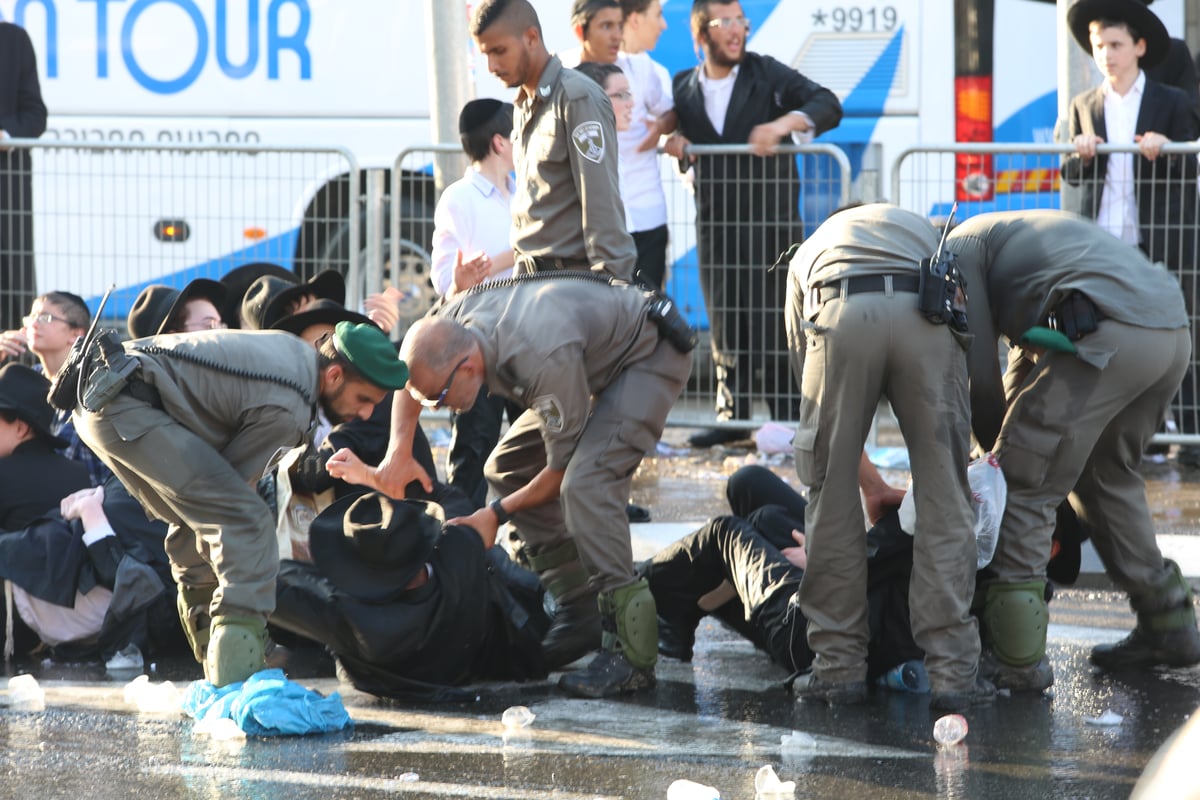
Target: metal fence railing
point(1016, 177)
point(132, 214)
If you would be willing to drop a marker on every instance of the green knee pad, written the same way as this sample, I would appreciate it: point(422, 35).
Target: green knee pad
point(632, 610)
point(192, 603)
point(559, 569)
point(1014, 620)
point(236, 650)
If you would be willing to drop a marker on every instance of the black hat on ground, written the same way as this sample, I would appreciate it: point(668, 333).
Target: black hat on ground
point(238, 280)
point(371, 546)
point(23, 394)
point(157, 304)
point(320, 312)
point(267, 299)
point(1133, 13)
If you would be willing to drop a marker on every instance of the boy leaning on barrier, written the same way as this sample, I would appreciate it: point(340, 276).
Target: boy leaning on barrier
point(1148, 198)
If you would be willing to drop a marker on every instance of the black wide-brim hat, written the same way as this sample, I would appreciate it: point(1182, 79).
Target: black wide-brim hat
point(238, 280)
point(370, 546)
point(157, 305)
point(267, 299)
point(23, 393)
point(323, 311)
point(1133, 13)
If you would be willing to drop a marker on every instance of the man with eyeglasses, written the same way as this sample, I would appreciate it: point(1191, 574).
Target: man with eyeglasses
point(598, 381)
point(54, 322)
point(747, 206)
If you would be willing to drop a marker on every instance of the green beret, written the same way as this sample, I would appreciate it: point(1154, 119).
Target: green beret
point(369, 351)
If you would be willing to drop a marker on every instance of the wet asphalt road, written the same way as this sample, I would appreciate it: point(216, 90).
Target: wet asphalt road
point(715, 720)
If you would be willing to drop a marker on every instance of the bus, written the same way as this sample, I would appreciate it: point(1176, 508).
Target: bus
point(353, 75)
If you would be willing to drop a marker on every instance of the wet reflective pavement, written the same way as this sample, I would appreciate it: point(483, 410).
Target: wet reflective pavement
point(715, 720)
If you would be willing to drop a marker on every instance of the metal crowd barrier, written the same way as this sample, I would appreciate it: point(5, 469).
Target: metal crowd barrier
point(745, 247)
point(132, 214)
point(1015, 177)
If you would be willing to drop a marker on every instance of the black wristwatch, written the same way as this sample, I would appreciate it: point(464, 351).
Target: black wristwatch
point(498, 509)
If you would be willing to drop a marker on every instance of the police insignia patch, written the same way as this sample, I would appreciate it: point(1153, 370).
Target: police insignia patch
point(550, 411)
point(589, 141)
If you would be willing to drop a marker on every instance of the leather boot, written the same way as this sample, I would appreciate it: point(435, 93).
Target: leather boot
point(626, 662)
point(575, 628)
point(1166, 632)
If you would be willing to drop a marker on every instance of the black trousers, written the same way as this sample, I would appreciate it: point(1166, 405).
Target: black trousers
point(745, 550)
point(651, 266)
point(18, 287)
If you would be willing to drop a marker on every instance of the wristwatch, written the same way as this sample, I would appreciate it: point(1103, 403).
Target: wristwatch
point(498, 509)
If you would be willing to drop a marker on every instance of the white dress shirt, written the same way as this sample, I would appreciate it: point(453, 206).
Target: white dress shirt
point(1118, 212)
point(472, 215)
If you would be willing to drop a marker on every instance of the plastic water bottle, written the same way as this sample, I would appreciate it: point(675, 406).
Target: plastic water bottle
point(907, 677)
point(690, 790)
point(950, 730)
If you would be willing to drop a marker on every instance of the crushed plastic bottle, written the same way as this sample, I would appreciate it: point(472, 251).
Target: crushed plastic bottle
point(25, 694)
point(767, 785)
point(690, 790)
point(408, 777)
point(950, 729)
point(127, 658)
point(797, 743)
point(517, 717)
point(153, 697)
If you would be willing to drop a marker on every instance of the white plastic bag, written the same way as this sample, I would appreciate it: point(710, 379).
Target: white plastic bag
point(989, 493)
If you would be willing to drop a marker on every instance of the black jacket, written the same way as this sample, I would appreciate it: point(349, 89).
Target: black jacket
point(478, 618)
point(33, 480)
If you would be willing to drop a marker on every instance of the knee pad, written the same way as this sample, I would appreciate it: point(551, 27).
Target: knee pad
point(1014, 621)
point(631, 623)
point(192, 603)
point(236, 649)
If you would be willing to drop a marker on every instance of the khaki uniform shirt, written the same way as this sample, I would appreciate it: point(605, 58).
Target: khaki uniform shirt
point(567, 203)
point(551, 345)
point(217, 402)
point(1020, 265)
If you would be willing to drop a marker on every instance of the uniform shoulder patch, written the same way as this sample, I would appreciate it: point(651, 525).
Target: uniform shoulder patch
point(550, 410)
point(589, 141)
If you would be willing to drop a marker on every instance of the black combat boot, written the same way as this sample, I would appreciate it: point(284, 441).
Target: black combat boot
point(1166, 632)
point(575, 626)
point(629, 651)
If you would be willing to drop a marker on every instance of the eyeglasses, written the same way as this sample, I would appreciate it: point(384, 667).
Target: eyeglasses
point(725, 23)
point(623, 97)
point(436, 404)
point(46, 318)
point(204, 324)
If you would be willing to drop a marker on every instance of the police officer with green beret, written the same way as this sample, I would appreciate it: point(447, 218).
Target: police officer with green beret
point(200, 418)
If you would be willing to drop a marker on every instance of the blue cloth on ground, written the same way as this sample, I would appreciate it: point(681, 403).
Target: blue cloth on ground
point(267, 704)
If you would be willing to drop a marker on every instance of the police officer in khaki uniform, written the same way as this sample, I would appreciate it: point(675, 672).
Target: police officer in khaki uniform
point(567, 209)
point(598, 379)
point(855, 335)
point(1082, 402)
point(201, 419)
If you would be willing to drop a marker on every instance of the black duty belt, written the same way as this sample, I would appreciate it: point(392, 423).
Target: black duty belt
point(548, 264)
point(867, 284)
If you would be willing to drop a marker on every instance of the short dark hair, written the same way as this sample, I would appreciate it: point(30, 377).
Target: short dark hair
point(599, 72)
point(583, 11)
point(1103, 22)
point(73, 307)
point(328, 355)
point(477, 142)
point(517, 14)
point(634, 6)
point(700, 14)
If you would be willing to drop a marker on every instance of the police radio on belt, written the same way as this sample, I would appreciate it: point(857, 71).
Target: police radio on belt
point(942, 296)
